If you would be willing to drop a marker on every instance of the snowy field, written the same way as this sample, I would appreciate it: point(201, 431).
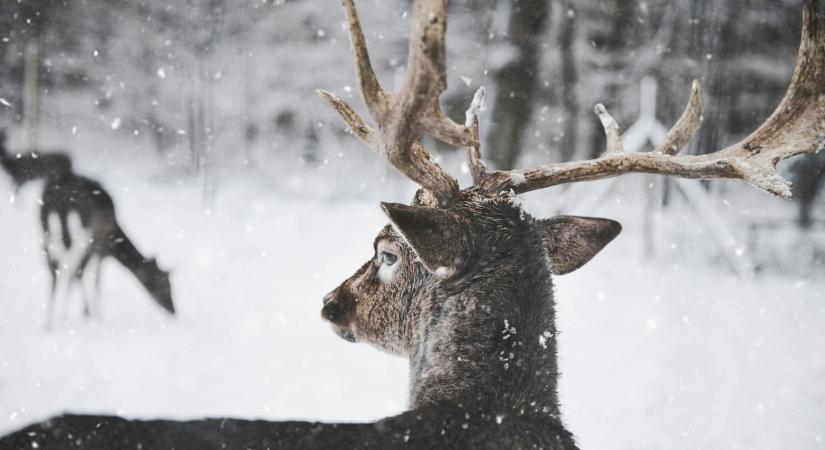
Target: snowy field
point(673, 352)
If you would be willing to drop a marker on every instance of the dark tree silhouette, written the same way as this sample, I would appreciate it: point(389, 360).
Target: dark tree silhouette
point(516, 82)
point(808, 178)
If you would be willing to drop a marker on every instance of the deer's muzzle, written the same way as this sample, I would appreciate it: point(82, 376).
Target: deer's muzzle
point(338, 312)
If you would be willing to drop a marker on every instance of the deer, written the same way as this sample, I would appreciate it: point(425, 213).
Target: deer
point(80, 230)
point(460, 281)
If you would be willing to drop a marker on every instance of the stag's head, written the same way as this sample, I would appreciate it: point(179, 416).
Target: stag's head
point(425, 246)
point(448, 232)
point(370, 306)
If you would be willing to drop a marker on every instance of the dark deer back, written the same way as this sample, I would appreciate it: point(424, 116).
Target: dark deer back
point(30, 166)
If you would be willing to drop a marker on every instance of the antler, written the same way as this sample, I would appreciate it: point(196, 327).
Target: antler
point(414, 111)
point(796, 126)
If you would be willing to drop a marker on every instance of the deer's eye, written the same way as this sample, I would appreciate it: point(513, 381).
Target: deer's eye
point(388, 258)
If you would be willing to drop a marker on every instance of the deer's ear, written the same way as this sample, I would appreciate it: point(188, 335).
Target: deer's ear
point(571, 241)
point(435, 235)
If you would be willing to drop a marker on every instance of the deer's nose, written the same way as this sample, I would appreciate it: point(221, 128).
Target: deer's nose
point(330, 314)
point(328, 298)
point(331, 310)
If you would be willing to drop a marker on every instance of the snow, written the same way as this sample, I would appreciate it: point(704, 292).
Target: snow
point(517, 178)
point(475, 108)
point(249, 341)
point(673, 353)
point(691, 356)
point(604, 116)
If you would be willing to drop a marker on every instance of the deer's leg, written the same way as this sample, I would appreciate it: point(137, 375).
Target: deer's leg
point(87, 276)
point(65, 283)
point(77, 256)
point(98, 262)
point(65, 269)
point(81, 276)
point(73, 243)
point(54, 249)
point(47, 324)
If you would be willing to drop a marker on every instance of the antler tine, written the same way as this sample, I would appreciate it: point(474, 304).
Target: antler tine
point(677, 137)
point(376, 99)
point(414, 111)
point(478, 169)
point(687, 125)
point(797, 126)
point(352, 119)
point(611, 130)
point(415, 163)
point(427, 77)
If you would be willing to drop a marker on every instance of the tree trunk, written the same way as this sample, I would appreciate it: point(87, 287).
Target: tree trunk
point(808, 179)
point(615, 43)
point(569, 81)
point(516, 82)
point(707, 47)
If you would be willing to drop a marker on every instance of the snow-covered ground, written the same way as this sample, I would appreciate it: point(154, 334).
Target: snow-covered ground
point(670, 353)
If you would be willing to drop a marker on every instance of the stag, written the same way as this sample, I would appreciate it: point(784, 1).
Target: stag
point(461, 279)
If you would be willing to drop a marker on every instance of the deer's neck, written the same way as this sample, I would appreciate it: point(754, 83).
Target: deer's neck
point(123, 250)
point(489, 338)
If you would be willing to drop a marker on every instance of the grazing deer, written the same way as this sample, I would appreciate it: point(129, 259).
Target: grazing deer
point(80, 230)
point(461, 280)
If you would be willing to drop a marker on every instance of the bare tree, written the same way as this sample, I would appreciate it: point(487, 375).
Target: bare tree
point(569, 80)
point(808, 180)
point(516, 82)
